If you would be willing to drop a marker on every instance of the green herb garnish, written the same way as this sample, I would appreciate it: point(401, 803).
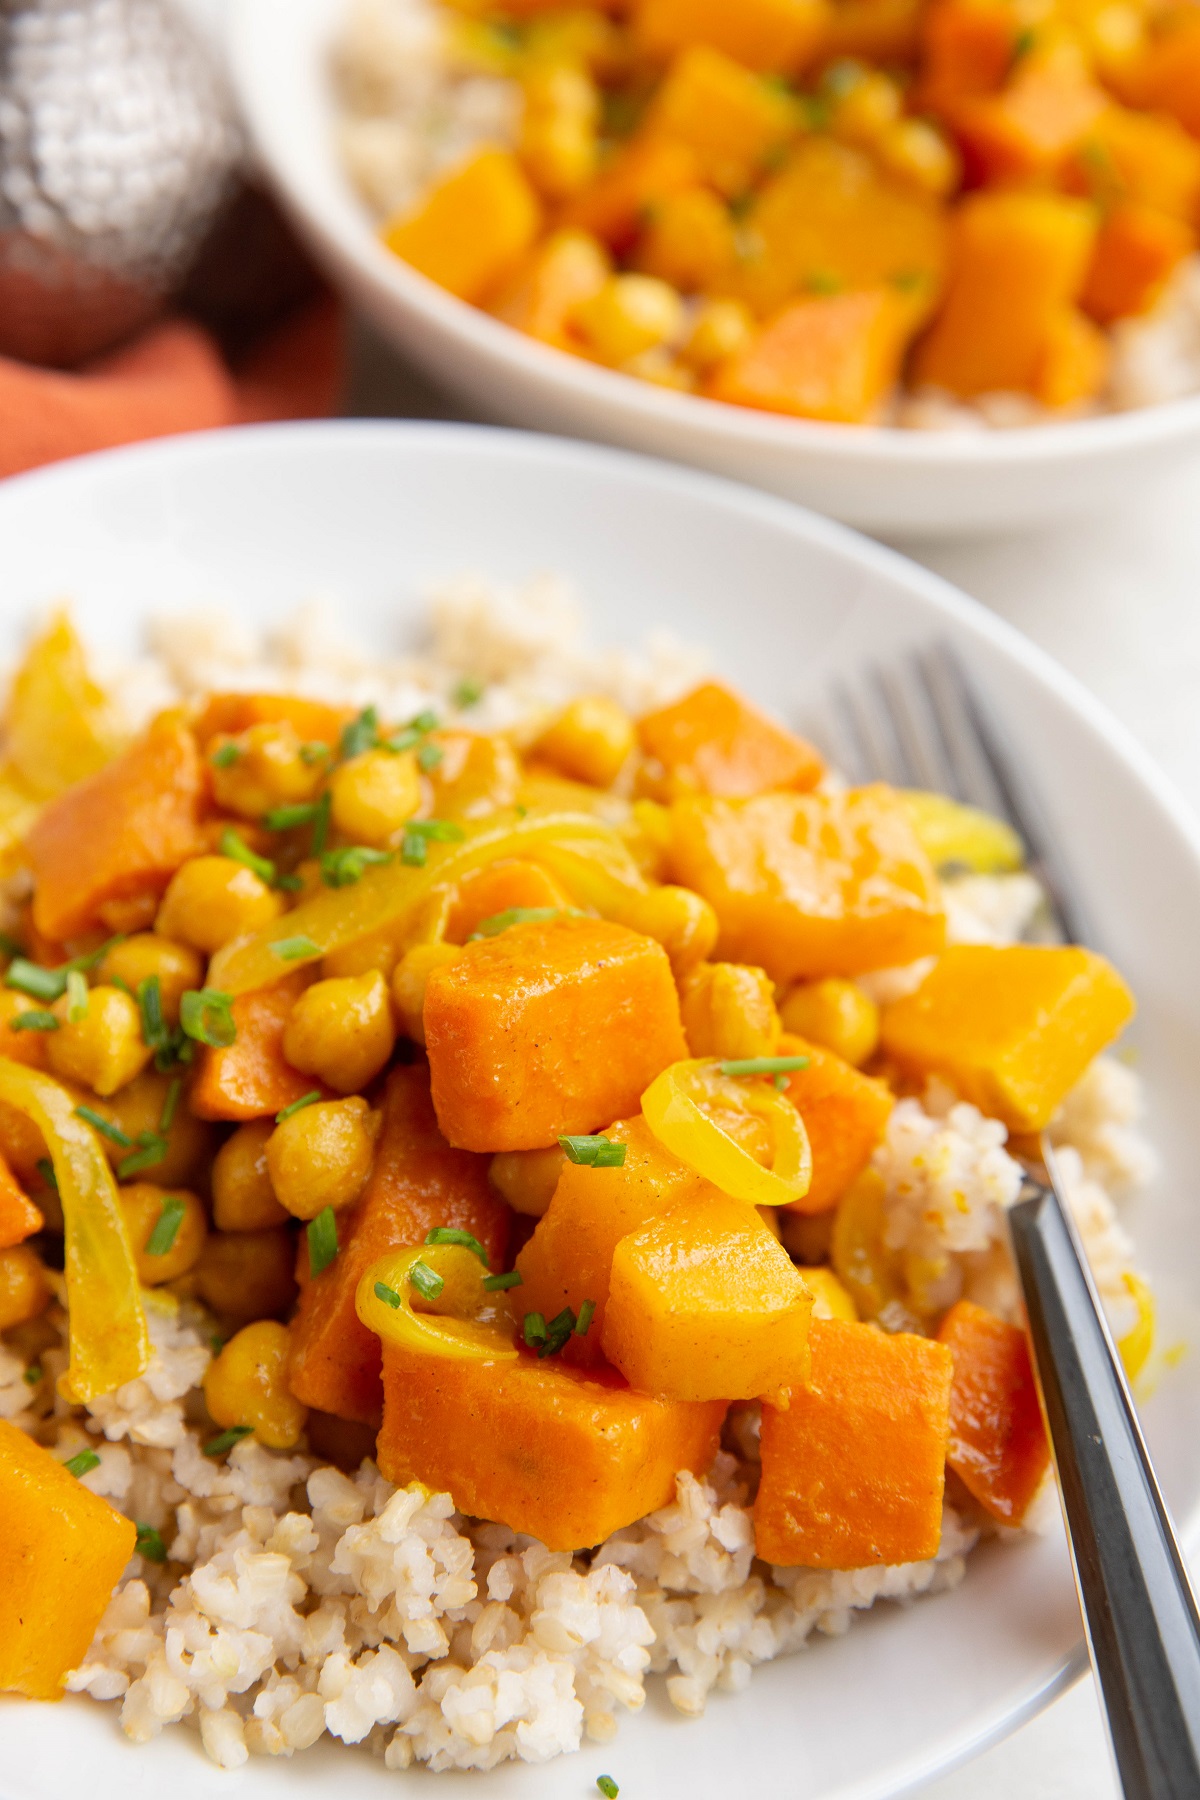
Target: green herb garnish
point(36, 1019)
point(535, 1329)
point(514, 915)
point(322, 1240)
point(45, 1169)
point(765, 1065)
point(361, 734)
point(607, 1786)
point(149, 1002)
point(427, 1281)
point(596, 1152)
point(219, 1445)
point(469, 692)
point(314, 752)
point(226, 756)
point(388, 1295)
point(558, 1331)
point(38, 983)
point(166, 1117)
point(342, 868)
point(235, 846)
point(452, 1234)
point(77, 997)
point(149, 1544)
point(82, 1463)
point(287, 818)
point(309, 1099)
point(497, 1284)
point(206, 1014)
point(293, 948)
point(418, 833)
point(587, 1313)
point(428, 757)
point(166, 1227)
point(152, 1151)
point(33, 1374)
point(105, 1127)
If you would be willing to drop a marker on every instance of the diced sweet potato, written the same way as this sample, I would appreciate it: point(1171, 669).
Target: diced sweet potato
point(417, 1182)
point(251, 1078)
point(569, 1256)
point(27, 1047)
point(1169, 77)
point(471, 230)
point(19, 1217)
point(498, 888)
point(767, 35)
point(811, 884)
point(1074, 362)
point(1017, 260)
point(1013, 1028)
point(120, 835)
point(1026, 131)
point(548, 1028)
point(714, 742)
point(834, 357)
point(853, 1469)
point(879, 31)
point(998, 1446)
point(845, 1114)
point(313, 720)
point(64, 1549)
point(704, 1303)
point(545, 1449)
point(640, 175)
point(689, 239)
point(1137, 249)
point(1145, 159)
point(968, 49)
point(558, 276)
point(731, 119)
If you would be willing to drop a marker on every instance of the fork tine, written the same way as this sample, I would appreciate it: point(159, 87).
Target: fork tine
point(914, 726)
point(972, 777)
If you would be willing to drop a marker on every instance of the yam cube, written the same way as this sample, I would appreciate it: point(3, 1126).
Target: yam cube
point(540, 1447)
point(767, 35)
point(416, 1182)
point(314, 721)
point(878, 31)
point(119, 836)
point(714, 742)
point(1146, 159)
point(548, 1029)
point(568, 1259)
point(1017, 260)
point(835, 357)
point(19, 1217)
point(690, 240)
point(853, 1468)
point(1012, 1028)
point(1169, 77)
point(497, 888)
point(559, 275)
point(968, 49)
point(1074, 362)
point(615, 205)
point(64, 1550)
point(251, 1078)
point(811, 884)
point(731, 119)
point(472, 229)
point(998, 1445)
point(1137, 250)
point(1026, 131)
point(845, 1115)
point(704, 1303)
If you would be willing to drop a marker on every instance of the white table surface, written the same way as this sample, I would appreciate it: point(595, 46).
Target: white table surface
point(1116, 598)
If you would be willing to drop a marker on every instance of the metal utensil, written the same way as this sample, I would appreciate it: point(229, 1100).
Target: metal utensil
point(919, 723)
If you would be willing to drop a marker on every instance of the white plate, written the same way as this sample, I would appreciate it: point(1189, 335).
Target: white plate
point(261, 519)
point(901, 482)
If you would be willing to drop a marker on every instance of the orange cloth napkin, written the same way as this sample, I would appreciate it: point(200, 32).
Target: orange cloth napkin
point(171, 379)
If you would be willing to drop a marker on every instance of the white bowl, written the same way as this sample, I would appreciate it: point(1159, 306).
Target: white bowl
point(258, 520)
point(900, 482)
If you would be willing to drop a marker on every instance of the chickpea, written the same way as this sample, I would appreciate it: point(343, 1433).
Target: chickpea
point(212, 899)
point(381, 950)
point(138, 958)
point(138, 1107)
point(130, 913)
point(631, 313)
point(248, 1274)
point(24, 1286)
point(478, 773)
point(918, 150)
point(589, 741)
point(341, 1031)
point(268, 770)
point(830, 1299)
point(373, 795)
point(729, 1011)
point(835, 1014)
point(865, 102)
point(321, 1156)
point(527, 1178)
point(243, 1198)
point(682, 922)
point(144, 1204)
point(247, 1384)
point(412, 978)
point(103, 1050)
point(720, 329)
point(28, 1047)
point(558, 129)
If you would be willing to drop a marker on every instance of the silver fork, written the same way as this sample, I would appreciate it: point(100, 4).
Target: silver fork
point(921, 722)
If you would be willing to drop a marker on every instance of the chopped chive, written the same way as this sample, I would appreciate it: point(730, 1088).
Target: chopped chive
point(33, 1374)
point(558, 1331)
point(45, 1169)
point(361, 733)
point(36, 1019)
point(9, 945)
point(442, 831)
point(427, 1281)
point(105, 1127)
point(206, 1014)
point(452, 1234)
point(496, 1284)
point(342, 868)
point(90, 959)
point(38, 983)
point(149, 1002)
point(320, 830)
point(308, 1099)
point(119, 981)
point(235, 846)
point(293, 948)
point(425, 721)
point(219, 1445)
point(514, 915)
point(226, 756)
point(289, 884)
point(176, 1052)
point(408, 739)
point(82, 1463)
point(388, 1295)
point(77, 997)
point(150, 1544)
point(429, 756)
point(314, 752)
point(607, 1786)
point(287, 818)
point(469, 692)
point(587, 1313)
point(322, 1240)
point(535, 1329)
point(166, 1117)
point(153, 1150)
point(765, 1065)
point(413, 850)
point(166, 1228)
point(596, 1152)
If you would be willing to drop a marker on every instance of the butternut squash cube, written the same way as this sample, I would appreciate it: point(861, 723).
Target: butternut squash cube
point(614, 206)
point(1137, 250)
point(559, 275)
point(878, 31)
point(704, 1303)
point(251, 1078)
point(64, 1549)
point(472, 229)
point(1168, 79)
point(1074, 362)
point(416, 1182)
point(498, 888)
point(998, 1445)
point(1147, 159)
point(853, 1469)
point(834, 357)
point(811, 884)
point(845, 1115)
point(1013, 1028)
point(689, 240)
point(779, 35)
point(968, 48)
point(731, 119)
point(1026, 131)
point(568, 1259)
point(549, 1028)
point(19, 1217)
point(714, 742)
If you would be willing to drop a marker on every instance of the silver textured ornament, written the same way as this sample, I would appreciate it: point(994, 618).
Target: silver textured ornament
point(118, 145)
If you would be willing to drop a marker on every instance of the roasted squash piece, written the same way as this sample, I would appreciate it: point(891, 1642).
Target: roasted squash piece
point(1145, 159)
point(1168, 79)
point(811, 884)
point(1074, 362)
point(845, 1114)
point(714, 742)
point(1013, 1028)
point(19, 1217)
point(998, 1445)
point(732, 120)
point(497, 888)
point(641, 174)
point(549, 1028)
point(314, 722)
point(767, 35)
point(565, 1456)
point(968, 48)
point(558, 276)
point(834, 357)
point(1028, 130)
point(120, 835)
point(1137, 250)
point(417, 1181)
point(251, 1078)
point(854, 1467)
point(64, 1549)
point(704, 1303)
point(473, 227)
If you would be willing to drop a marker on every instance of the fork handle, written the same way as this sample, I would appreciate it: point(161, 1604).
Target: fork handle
point(1139, 1611)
